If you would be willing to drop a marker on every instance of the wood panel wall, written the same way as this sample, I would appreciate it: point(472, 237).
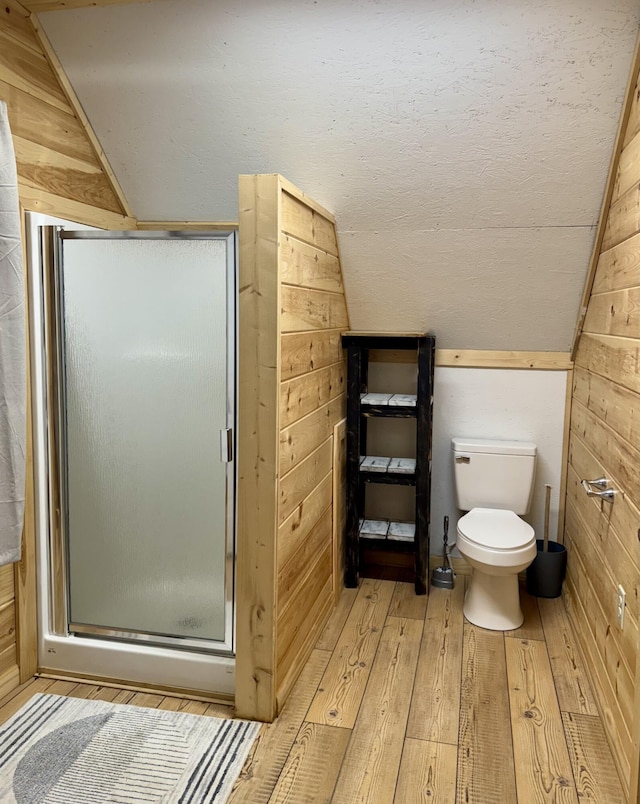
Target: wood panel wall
point(62, 172)
point(602, 539)
point(292, 311)
point(61, 168)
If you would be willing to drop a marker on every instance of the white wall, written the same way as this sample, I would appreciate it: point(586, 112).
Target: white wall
point(518, 405)
point(463, 146)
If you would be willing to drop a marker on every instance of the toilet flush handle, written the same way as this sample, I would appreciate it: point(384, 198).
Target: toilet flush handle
point(605, 494)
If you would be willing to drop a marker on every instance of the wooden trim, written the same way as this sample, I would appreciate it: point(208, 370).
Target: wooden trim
point(25, 569)
point(75, 104)
point(38, 6)
point(477, 358)
point(49, 204)
point(107, 681)
point(193, 226)
point(338, 507)
point(608, 195)
point(564, 466)
point(258, 422)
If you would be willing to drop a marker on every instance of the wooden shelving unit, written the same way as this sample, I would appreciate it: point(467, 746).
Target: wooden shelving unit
point(364, 469)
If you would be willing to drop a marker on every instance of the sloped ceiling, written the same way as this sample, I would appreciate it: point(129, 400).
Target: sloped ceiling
point(463, 145)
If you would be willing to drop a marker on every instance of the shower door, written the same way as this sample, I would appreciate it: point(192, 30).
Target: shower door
point(140, 327)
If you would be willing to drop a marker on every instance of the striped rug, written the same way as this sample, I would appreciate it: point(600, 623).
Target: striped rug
point(58, 750)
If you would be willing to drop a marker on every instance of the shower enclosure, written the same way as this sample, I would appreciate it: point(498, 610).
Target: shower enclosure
point(134, 403)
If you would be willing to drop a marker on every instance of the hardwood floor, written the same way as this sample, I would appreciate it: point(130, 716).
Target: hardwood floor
point(403, 701)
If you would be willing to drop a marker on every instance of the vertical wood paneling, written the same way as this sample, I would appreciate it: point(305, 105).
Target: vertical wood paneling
point(258, 357)
point(603, 548)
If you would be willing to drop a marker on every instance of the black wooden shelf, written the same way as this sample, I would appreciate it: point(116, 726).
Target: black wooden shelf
point(397, 412)
point(388, 478)
point(363, 405)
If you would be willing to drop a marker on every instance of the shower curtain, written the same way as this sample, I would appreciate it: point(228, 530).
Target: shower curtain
point(12, 354)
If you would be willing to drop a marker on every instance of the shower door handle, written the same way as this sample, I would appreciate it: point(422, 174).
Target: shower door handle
point(226, 445)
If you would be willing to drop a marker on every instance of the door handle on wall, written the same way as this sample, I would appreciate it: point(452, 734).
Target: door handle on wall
point(606, 494)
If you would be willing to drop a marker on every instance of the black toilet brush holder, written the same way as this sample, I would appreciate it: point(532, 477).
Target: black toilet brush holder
point(545, 574)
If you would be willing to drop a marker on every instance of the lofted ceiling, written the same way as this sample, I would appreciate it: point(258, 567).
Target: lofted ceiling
point(463, 145)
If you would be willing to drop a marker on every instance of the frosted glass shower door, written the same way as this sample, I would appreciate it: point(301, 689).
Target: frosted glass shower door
point(145, 362)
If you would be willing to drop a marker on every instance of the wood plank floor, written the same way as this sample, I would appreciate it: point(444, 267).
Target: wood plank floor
point(403, 701)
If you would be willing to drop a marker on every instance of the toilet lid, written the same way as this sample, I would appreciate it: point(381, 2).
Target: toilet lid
point(500, 530)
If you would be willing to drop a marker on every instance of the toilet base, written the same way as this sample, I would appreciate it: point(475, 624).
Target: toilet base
point(493, 601)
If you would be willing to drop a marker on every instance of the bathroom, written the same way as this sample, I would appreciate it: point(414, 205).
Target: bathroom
point(515, 234)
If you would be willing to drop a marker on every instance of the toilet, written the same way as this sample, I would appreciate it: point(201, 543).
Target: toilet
point(494, 484)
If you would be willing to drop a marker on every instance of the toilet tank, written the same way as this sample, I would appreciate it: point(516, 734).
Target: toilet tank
point(493, 474)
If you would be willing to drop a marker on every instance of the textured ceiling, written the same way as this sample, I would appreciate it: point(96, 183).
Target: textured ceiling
point(463, 145)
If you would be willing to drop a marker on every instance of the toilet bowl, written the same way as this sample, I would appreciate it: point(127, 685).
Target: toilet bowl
point(498, 545)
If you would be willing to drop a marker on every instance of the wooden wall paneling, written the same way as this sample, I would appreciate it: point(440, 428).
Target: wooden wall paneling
point(633, 123)
point(306, 393)
point(611, 403)
point(7, 625)
point(306, 309)
point(20, 28)
point(618, 267)
point(614, 313)
point(293, 572)
point(303, 352)
point(38, 6)
point(617, 734)
point(309, 267)
point(628, 167)
point(49, 204)
point(25, 569)
point(189, 226)
point(57, 130)
point(623, 517)
point(624, 218)
point(621, 459)
point(295, 529)
point(45, 169)
point(308, 223)
point(302, 437)
point(339, 506)
point(62, 170)
point(302, 647)
point(75, 104)
point(301, 624)
point(258, 380)
point(313, 313)
point(298, 484)
point(602, 537)
point(613, 549)
point(479, 358)
point(27, 69)
point(626, 117)
point(621, 642)
point(7, 593)
point(612, 357)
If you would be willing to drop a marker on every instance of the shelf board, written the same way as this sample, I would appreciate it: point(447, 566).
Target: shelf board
point(381, 530)
point(393, 471)
point(389, 400)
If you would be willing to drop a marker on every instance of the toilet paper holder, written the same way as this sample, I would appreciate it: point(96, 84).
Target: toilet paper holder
point(601, 483)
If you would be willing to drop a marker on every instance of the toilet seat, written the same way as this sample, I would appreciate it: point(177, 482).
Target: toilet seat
point(495, 529)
